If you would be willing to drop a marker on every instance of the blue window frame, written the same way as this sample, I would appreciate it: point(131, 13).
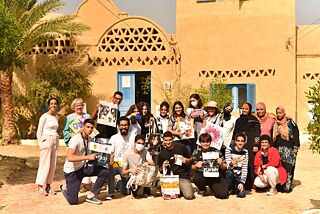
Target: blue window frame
point(242, 93)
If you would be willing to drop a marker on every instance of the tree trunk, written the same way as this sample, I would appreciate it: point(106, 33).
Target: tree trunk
point(9, 135)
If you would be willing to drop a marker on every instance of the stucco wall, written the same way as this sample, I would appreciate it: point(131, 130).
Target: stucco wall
point(248, 36)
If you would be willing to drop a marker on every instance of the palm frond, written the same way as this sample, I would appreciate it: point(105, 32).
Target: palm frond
point(53, 28)
point(29, 18)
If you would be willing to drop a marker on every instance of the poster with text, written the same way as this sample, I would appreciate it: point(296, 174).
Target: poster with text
point(210, 164)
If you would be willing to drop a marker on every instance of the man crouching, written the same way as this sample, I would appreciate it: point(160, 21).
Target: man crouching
point(76, 167)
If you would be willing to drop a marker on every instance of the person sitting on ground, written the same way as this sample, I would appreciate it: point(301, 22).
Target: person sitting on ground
point(177, 158)
point(237, 164)
point(268, 167)
point(205, 174)
point(121, 143)
point(135, 157)
point(76, 167)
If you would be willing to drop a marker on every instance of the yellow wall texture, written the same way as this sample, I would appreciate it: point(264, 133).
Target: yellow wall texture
point(249, 41)
point(308, 64)
point(248, 36)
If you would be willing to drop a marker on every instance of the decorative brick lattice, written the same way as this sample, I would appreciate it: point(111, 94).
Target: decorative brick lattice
point(129, 61)
point(132, 39)
point(310, 76)
point(60, 45)
point(241, 73)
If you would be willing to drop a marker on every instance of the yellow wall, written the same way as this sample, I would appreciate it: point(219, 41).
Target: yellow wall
point(248, 36)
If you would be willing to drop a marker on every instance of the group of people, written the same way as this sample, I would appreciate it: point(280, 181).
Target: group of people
point(253, 151)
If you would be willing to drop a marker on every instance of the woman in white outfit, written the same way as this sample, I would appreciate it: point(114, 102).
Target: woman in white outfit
point(48, 140)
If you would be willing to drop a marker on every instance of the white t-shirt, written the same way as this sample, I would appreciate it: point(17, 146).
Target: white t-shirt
point(48, 125)
point(77, 143)
point(228, 127)
point(120, 145)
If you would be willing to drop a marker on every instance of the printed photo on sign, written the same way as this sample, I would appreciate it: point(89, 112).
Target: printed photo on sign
point(241, 159)
point(107, 114)
point(186, 127)
point(102, 151)
point(210, 164)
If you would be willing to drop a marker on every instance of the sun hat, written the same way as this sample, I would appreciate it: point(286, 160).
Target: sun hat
point(213, 104)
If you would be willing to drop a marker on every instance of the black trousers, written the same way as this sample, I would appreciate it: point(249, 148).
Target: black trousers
point(217, 185)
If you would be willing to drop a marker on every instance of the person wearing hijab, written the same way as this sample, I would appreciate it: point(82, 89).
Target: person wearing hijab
point(228, 124)
point(286, 139)
point(265, 118)
point(249, 124)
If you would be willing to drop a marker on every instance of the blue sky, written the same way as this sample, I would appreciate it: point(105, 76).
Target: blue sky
point(163, 11)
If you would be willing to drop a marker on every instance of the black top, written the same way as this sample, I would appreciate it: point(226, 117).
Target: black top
point(165, 154)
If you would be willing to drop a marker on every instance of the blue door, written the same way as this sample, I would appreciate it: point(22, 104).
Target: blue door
point(126, 84)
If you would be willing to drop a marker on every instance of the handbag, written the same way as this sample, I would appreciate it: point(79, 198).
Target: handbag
point(170, 187)
point(146, 178)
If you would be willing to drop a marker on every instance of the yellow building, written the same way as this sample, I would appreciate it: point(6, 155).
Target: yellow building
point(253, 44)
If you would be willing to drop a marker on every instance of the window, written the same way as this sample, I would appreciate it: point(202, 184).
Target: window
point(242, 93)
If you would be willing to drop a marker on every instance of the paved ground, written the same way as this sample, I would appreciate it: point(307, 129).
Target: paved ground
point(19, 195)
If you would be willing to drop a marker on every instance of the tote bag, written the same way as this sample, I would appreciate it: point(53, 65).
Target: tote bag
point(169, 185)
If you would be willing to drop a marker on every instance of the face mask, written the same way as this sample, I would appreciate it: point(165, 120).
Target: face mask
point(226, 112)
point(139, 147)
point(194, 104)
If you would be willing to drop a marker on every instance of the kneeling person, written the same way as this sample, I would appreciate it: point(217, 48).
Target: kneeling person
point(207, 164)
point(268, 168)
point(177, 158)
point(135, 157)
point(76, 167)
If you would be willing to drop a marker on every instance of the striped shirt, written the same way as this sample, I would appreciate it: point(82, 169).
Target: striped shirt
point(240, 170)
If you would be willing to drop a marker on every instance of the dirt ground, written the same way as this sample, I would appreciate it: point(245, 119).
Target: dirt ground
point(18, 194)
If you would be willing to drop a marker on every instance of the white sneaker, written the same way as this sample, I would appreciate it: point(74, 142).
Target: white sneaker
point(109, 196)
point(272, 191)
point(200, 193)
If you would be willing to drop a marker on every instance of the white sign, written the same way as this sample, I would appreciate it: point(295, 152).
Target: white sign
point(126, 81)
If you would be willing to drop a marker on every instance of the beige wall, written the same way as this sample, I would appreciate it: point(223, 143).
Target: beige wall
point(253, 38)
point(248, 36)
point(308, 64)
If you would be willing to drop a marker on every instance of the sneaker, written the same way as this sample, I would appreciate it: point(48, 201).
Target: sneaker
point(272, 191)
point(148, 196)
point(200, 193)
point(109, 196)
point(42, 192)
point(93, 200)
point(50, 191)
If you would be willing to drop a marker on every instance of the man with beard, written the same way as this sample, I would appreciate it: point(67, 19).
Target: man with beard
point(121, 143)
point(265, 118)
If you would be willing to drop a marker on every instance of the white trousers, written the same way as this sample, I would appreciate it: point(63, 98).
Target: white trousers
point(271, 177)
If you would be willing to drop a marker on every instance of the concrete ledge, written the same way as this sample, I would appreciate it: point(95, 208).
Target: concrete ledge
point(29, 142)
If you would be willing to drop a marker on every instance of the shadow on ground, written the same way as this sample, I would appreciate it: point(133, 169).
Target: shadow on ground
point(15, 170)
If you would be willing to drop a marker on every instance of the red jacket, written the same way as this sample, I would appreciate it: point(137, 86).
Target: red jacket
point(273, 160)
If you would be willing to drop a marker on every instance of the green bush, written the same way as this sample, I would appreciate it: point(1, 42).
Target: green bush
point(313, 128)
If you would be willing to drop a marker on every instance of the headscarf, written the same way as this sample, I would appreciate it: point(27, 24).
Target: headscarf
point(243, 122)
point(226, 113)
point(280, 126)
point(266, 114)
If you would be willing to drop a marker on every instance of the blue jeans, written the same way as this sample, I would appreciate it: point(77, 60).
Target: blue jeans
point(233, 182)
point(113, 173)
point(73, 180)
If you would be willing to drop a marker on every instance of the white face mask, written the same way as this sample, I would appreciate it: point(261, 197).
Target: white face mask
point(139, 147)
point(194, 104)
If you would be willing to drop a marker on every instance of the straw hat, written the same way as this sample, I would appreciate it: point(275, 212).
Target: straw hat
point(213, 104)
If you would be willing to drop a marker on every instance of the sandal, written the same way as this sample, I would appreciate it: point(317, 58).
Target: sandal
point(50, 191)
point(42, 192)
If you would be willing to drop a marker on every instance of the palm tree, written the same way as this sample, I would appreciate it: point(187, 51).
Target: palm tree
point(30, 28)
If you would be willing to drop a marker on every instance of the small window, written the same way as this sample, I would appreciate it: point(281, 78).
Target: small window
point(242, 93)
